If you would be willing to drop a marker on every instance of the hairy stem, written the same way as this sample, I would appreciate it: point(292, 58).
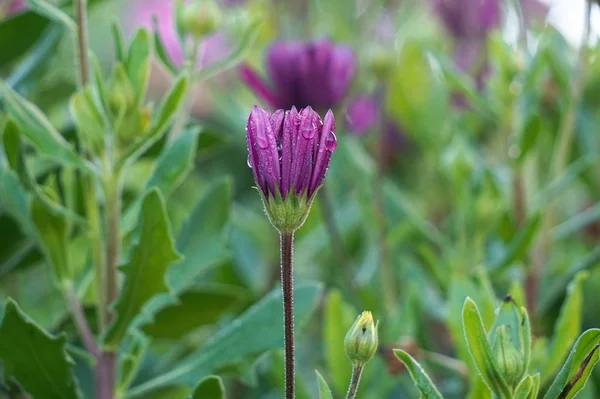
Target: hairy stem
point(560, 156)
point(287, 288)
point(81, 323)
point(82, 41)
point(354, 381)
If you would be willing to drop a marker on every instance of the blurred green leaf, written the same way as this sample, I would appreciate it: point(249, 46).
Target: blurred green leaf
point(419, 376)
point(194, 308)
point(210, 387)
point(416, 97)
point(169, 392)
point(578, 222)
point(146, 267)
point(262, 322)
point(89, 120)
point(14, 199)
point(238, 53)
point(529, 134)
point(518, 245)
point(337, 319)
point(324, 391)
point(118, 42)
point(166, 111)
point(53, 236)
point(173, 165)
point(34, 358)
point(481, 351)
point(129, 361)
point(51, 12)
point(567, 327)
point(577, 368)
point(38, 129)
point(536, 386)
point(138, 63)
point(278, 378)
point(524, 389)
point(159, 48)
point(18, 34)
point(203, 238)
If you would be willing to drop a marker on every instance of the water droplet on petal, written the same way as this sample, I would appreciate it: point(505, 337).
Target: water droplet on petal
point(249, 161)
point(331, 142)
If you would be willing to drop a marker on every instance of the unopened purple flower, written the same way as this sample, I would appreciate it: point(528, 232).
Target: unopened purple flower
point(289, 151)
point(302, 74)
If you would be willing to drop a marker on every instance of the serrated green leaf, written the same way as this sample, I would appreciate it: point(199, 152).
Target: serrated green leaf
point(524, 389)
point(567, 327)
point(138, 63)
point(419, 376)
point(577, 368)
point(39, 131)
point(194, 308)
point(203, 239)
point(324, 391)
point(519, 244)
point(247, 38)
point(52, 231)
point(51, 12)
point(36, 359)
point(129, 361)
point(481, 351)
point(166, 111)
point(146, 268)
point(210, 387)
point(337, 318)
point(262, 322)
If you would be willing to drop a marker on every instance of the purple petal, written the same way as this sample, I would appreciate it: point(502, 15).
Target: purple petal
point(277, 123)
point(282, 66)
point(257, 85)
point(341, 72)
point(253, 152)
point(323, 154)
point(289, 137)
point(304, 141)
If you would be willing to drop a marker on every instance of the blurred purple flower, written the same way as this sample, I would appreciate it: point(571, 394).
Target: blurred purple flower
point(12, 7)
point(143, 11)
point(362, 114)
point(302, 74)
point(289, 151)
point(468, 18)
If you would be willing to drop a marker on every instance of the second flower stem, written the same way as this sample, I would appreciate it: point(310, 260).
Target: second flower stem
point(287, 289)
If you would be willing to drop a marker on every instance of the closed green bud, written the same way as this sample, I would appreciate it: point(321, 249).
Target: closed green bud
point(508, 359)
point(121, 95)
point(361, 340)
point(201, 18)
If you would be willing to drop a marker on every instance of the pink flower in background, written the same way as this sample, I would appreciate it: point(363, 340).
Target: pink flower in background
point(11, 7)
point(141, 13)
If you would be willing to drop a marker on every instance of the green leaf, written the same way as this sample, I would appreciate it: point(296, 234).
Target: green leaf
point(138, 63)
point(529, 134)
point(30, 26)
point(129, 361)
point(37, 128)
point(166, 111)
point(118, 41)
point(576, 223)
point(247, 38)
point(337, 319)
point(567, 327)
point(480, 350)
point(52, 231)
point(277, 378)
point(536, 387)
point(13, 199)
point(51, 12)
point(145, 270)
point(324, 391)
point(577, 368)
point(415, 93)
point(518, 246)
point(159, 48)
point(524, 389)
point(210, 387)
point(194, 308)
point(89, 120)
point(203, 239)
point(419, 376)
point(36, 359)
point(262, 322)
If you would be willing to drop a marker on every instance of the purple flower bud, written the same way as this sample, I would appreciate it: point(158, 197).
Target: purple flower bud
point(289, 152)
point(468, 18)
point(303, 74)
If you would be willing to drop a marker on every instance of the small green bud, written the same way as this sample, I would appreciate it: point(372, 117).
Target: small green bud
point(201, 18)
point(508, 359)
point(361, 340)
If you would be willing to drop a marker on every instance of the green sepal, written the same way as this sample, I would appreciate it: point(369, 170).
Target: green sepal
point(287, 214)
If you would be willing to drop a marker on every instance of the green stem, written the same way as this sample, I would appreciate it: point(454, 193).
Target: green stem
point(79, 319)
point(354, 381)
point(287, 288)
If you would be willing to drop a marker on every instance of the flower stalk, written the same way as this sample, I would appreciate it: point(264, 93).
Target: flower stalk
point(287, 289)
point(354, 381)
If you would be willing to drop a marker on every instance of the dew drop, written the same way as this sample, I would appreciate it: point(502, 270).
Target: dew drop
point(331, 142)
point(249, 161)
point(308, 132)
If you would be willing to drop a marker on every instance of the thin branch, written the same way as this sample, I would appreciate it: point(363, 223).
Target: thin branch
point(81, 323)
